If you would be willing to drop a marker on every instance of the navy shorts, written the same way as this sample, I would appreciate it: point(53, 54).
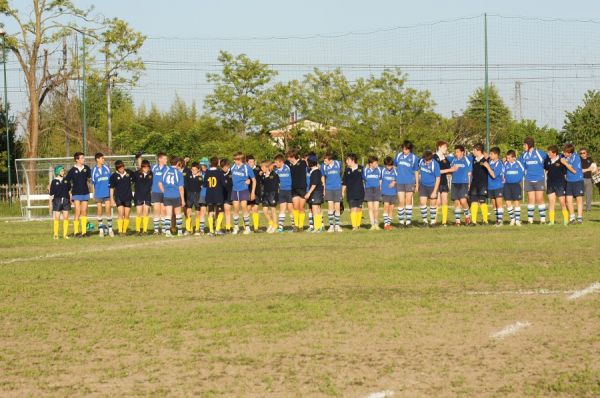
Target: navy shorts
point(372, 194)
point(240, 196)
point(355, 203)
point(575, 189)
point(316, 198)
point(496, 193)
point(102, 199)
point(123, 202)
point(81, 198)
point(405, 188)
point(175, 202)
point(299, 192)
point(534, 186)
point(558, 189)
point(61, 204)
point(141, 199)
point(192, 200)
point(513, 191)
point(478, 193)
point(443, 188)
point(157, 197)
point(459, 191)
point(285, 197)
point(425, 191)
point(333, 195)
point(270, 199)
point(393, 199)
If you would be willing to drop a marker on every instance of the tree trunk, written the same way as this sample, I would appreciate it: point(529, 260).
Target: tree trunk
point(33, 125)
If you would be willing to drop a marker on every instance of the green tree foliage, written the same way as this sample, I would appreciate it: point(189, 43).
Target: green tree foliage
point(582, 126)
point(471, 127)
point(16, 147)
point(238, 95)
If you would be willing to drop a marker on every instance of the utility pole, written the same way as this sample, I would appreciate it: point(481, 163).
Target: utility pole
point(487, 96)
point(6, 125)
point(66, 98)
point(83, 99)
point(108, 78)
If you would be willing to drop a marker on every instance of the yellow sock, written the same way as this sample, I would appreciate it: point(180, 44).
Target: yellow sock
point(56, 225)
point(120, 225)
point(188, 224)
point(197, 224)
point(565, 214)
point(76, 227)
point(219, 221)
point(551, 216)
point(319, 222)
point(65, 228)
point(359, 220)
point(301, 217)
point(83, 225)
point(211, 228)
point(228, 227)
point(146, 221)
point(484, 212)
point(255, 221)
point(353, 219)
point(474, 208)
point(296, 215)
point(444, 214)
point(138, 223)
point(125, 225)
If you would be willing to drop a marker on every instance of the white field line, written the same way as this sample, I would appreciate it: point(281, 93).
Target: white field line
point(96, 249)
point(510, 329)
point(381, 394)
point(520, 292)
point(580, 293)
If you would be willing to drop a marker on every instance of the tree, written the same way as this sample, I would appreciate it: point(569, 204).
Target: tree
point(15, 146)
point(122, 63)
point(474, 118)
point(582, 126)
point(238, 95)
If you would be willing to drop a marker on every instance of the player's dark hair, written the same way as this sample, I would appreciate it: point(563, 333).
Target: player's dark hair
point(495, 150)
point(459, 147)
point(312, 161)
point(98, 155)
point(388, 161)
point(240, 156)
point(569, 148)
point(175, 161)
point(353, 157)
point(372, 159)
point(214, 161)
point(440, 143)
point(119, 164)
point(553, 149)
point(224, 162)
point(292, 153)
point(161, 155)
point(279, 157)
point(407, 145)
point(77, 155)
point(196, 165)
point(529, 141)
point(427, 155)
point(512, 153)
point(329, 156)
point(145, 162)
point(250, 157)
point(478, 147)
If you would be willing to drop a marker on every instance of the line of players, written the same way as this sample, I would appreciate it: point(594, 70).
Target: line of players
point(218, 191)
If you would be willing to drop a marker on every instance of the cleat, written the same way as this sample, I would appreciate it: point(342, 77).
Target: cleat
point(318, 231)
point(331, 229)
point(467, 220)
point(310, 229)
point(236, 230)
point(280, 230)
point(247, 231)
point(338, 228)
point(111, 233)
point(518, 223)
point(197, 233)
point(512, 222)
point(66, 237)
point(168, 234)
point(457, 224)
point(180, 234)
point(387, 228)
point(55, 237)
point(101, 232)
point(139, 233)
point(154, 233)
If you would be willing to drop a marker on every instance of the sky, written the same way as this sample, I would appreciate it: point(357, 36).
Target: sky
point(185, 36)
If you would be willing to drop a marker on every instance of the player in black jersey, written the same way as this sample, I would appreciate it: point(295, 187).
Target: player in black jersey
point(227, 189)
point(556, 184)
point(298, 169)
point(60, 201)
point(121, 194)
point(441, 157)
point(253, 204)
point(78, 177)
point(193, 186)
point(142, 182)
point(478, 192)
point(269, 182)
point(214, 183)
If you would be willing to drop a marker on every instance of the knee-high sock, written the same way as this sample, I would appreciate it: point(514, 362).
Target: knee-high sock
point(188, 224)
point(83, 224)
point(336, 218)
point(167, 224)
point(424, 213)
point(408, 214)
point(296, 215)
point(125, 225)
point(219, 221)
point(518, 213)
point(247, 221)
point(500, 214)
point(311, 219)
point(145, 223)
point(65, 228)
point(484, 213)
point(511, 214)
point(76, 226)
point(565, 215)
point(301, 218)
point(138, 223)
point(401, 215)
point(331, 217)
point(386, 219)
point(432, 214)
point(318, 220)
point(211, 227)
point(197, 224)
point(530, 210)
point(120, 225)
point(236, 220)
point(457, 213)
point(542, 211)
point(156, 223)
point(109, 222)
point(281, 220)
point(56, 226)
point(179, 223)
point(551, 215)
point(474, 209)
point(255, 221)
point(444, 214)
point(353, 219)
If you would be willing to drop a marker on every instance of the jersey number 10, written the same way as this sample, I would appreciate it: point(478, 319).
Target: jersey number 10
point(212, 182)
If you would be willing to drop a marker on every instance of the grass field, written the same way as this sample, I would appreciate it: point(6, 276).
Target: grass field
point(409, 311)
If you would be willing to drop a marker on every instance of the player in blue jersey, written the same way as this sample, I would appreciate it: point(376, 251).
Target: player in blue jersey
point(100, 175)
point(285, 191)
point(332, 171)
point(575, 189)
point(389, 195)
point(242, 177)
point(156, 196)
point(514, 171)
point(535, 179)
point(171, 186)
point(496, 184)
point(430, 177)
point(461, 183)
point(372, 175)
point(407, 182)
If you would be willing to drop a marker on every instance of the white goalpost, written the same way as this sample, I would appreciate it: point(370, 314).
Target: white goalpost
point(34, 176)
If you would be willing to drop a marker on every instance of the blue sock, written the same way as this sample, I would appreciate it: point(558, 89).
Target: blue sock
point(542, 211)
point(336, 218)
point(179, 223)
point(281, 220)
point(530, 211)
point(236, 220)
point(408, 214)
point(401, 215)
point(247, 221)
point(432, 213)
point(424, 213)
point(457, 212)
point(331, 218)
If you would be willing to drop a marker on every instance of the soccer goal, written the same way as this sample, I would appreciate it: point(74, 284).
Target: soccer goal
point(34, 176)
